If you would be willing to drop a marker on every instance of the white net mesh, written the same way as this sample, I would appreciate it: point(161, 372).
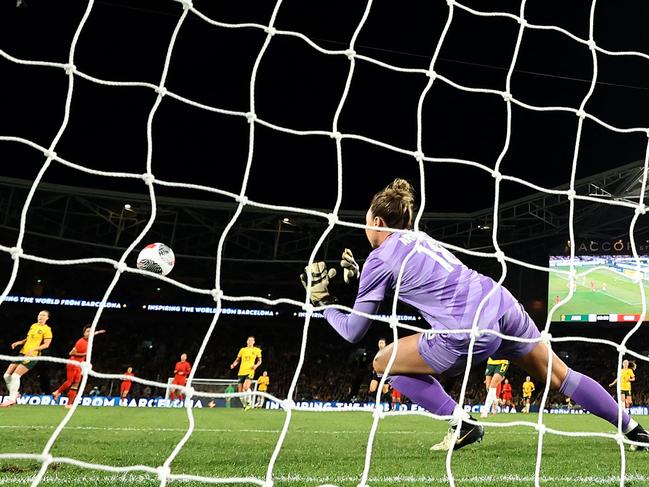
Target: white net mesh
point(164, 471)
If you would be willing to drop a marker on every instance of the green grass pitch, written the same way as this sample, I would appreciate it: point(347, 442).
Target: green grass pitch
point(320, 448)
point(622, 296)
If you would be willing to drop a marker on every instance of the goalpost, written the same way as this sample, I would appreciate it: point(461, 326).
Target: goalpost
point(337, 133)
point(223, 387)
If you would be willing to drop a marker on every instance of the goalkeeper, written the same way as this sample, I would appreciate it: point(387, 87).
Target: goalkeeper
point(448, 295)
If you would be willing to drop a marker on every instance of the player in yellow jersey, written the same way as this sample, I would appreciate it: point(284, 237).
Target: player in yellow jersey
point(626, 377)
point(250, 358)
point(528, 389)
point(262, 386)
point(38, 339)
point(495, 373)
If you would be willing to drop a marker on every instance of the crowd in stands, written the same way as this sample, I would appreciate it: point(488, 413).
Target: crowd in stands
point(333, 370)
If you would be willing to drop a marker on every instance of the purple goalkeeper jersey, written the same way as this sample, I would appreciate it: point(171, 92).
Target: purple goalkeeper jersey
point(446, 293)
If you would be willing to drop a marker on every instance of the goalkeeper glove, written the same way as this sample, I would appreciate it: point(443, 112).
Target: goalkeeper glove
point(319, 283)
point(351, 270)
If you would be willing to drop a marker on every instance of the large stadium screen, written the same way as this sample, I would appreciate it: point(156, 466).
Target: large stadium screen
point(603, 290)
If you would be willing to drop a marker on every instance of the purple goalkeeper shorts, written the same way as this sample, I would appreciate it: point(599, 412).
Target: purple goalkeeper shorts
point(447, 353)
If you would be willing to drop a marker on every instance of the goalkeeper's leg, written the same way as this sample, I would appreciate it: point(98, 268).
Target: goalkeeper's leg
point(581, 388)
point(412, 376)
point(534, 358)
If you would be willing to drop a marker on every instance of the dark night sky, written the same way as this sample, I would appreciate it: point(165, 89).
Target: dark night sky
point(300, 88)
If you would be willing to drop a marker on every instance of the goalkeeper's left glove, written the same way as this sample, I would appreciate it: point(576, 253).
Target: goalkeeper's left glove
point(351, 270)
point(319, 283)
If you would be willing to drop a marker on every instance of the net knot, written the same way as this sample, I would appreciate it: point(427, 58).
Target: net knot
point(419, 156)
point(378, 413)
point(120, 266)
point(475, 333)
point(217, 294)
point(69, 68)
point(622, 349)
point(189, 392)
point(571, 194)
point(541, 428)
point(332, 219)
point(336, 135)
point(251, 117)
point(50, 154)
point(641, 209)
point(394, 322)
point(432, 74)
point(268, 483)
point(507, 96)
point(163, 471)
point(187, 4)
point(47, 459)
point(161, 90)
point(591, 44)
point(16, 252)
point(546, 337)
point(242, 200)
point(581, 113)
point(619, 438)
point(271, 31)
point(288, 404)
point(148, 178)
point(497, 175)
point(450, 3)
point(86, 367)
point(522, 21)
point(350, 53)
point(500, 256)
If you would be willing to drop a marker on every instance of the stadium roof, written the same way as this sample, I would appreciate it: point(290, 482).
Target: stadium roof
point(103, 220)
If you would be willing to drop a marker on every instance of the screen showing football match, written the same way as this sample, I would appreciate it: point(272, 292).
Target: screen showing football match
point(604, 289)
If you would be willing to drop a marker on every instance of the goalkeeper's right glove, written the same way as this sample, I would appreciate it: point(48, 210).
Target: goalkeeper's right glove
point(319, 283)
point(351, 270)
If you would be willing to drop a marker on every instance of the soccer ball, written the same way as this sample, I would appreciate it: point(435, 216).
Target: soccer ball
point(156, 257)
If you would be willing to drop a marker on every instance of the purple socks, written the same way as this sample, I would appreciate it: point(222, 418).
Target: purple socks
point(593, 397)
point(425, 391)
point(428, 393)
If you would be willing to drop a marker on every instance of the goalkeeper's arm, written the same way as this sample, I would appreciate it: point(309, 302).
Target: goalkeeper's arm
point(352, 327)
point(375, 280)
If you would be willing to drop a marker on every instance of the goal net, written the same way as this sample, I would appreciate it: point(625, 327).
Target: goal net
point(188, 16)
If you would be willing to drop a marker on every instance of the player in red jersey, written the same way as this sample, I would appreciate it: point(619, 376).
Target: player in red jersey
point(396, 399)
point(181, 371)
point(507, 394)
point(125, 387)
point(73, 372)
